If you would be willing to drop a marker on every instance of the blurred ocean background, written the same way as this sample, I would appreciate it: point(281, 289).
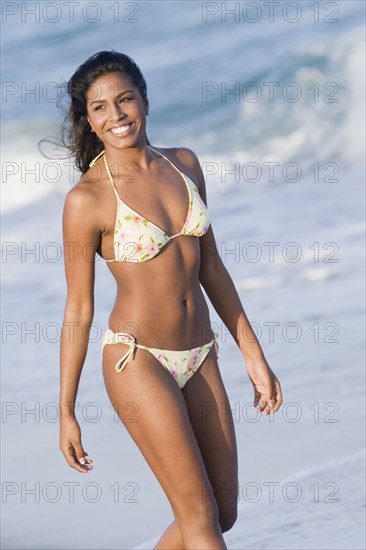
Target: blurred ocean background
point(306, 300)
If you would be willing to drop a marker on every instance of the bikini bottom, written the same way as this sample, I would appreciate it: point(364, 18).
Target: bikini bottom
point(181, 364)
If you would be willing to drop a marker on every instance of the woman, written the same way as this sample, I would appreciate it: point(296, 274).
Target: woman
point(143, 209)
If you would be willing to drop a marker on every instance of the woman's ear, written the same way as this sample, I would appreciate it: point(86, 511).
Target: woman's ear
point(91, 126)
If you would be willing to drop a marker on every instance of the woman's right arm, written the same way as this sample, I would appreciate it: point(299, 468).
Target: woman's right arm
point(80, 241)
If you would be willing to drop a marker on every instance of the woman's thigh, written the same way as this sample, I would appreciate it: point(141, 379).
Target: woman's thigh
point(152, 408)
point(209, 411)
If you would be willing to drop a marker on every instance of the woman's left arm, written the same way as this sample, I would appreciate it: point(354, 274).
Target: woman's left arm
point(224, 297)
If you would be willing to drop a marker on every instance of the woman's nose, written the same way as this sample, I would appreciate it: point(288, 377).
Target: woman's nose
point(117, 111)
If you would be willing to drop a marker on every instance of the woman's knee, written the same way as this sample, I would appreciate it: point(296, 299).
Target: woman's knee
point(197, 513)
point(206, 515)
point(227, 518)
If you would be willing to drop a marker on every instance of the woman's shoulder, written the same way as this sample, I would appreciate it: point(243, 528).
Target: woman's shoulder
point(84, 192)
point(183, 155)
point(184, 159)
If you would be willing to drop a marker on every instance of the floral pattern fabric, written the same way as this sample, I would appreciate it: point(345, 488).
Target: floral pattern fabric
point(181, 364)
point(136, 239)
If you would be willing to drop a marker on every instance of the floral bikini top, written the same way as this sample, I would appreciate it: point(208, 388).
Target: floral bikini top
point(137, 239)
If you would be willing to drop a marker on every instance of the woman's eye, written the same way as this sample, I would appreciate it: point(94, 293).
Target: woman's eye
point(122, 100)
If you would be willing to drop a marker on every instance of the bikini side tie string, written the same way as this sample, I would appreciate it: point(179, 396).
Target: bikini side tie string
point(125, 338)
point(216, 344)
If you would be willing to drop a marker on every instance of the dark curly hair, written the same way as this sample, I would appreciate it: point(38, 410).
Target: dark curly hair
point(76, 135)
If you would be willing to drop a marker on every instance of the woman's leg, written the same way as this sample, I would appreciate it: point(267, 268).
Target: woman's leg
point(171, 539)
point(212, 423)
point(162, 430)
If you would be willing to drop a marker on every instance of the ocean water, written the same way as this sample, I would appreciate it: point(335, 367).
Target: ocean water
point(286, 191)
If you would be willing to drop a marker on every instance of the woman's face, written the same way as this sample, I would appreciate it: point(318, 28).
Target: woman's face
point(116, 110)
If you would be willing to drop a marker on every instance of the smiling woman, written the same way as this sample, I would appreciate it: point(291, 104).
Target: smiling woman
point(155, 215)
point(86, 94)
point(104, 99)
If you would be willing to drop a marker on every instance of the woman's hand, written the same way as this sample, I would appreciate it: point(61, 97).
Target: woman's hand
point(71, 446)
point(267, 389)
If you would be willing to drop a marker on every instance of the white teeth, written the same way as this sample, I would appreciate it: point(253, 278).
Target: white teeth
point(120, 129)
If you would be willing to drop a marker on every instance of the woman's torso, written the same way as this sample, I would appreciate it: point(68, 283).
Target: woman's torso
point(159, 300)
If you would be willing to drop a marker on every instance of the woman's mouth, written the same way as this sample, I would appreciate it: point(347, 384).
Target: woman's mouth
point(121, 131)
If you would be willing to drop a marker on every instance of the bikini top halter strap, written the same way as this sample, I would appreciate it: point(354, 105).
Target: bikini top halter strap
point(110, 174)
